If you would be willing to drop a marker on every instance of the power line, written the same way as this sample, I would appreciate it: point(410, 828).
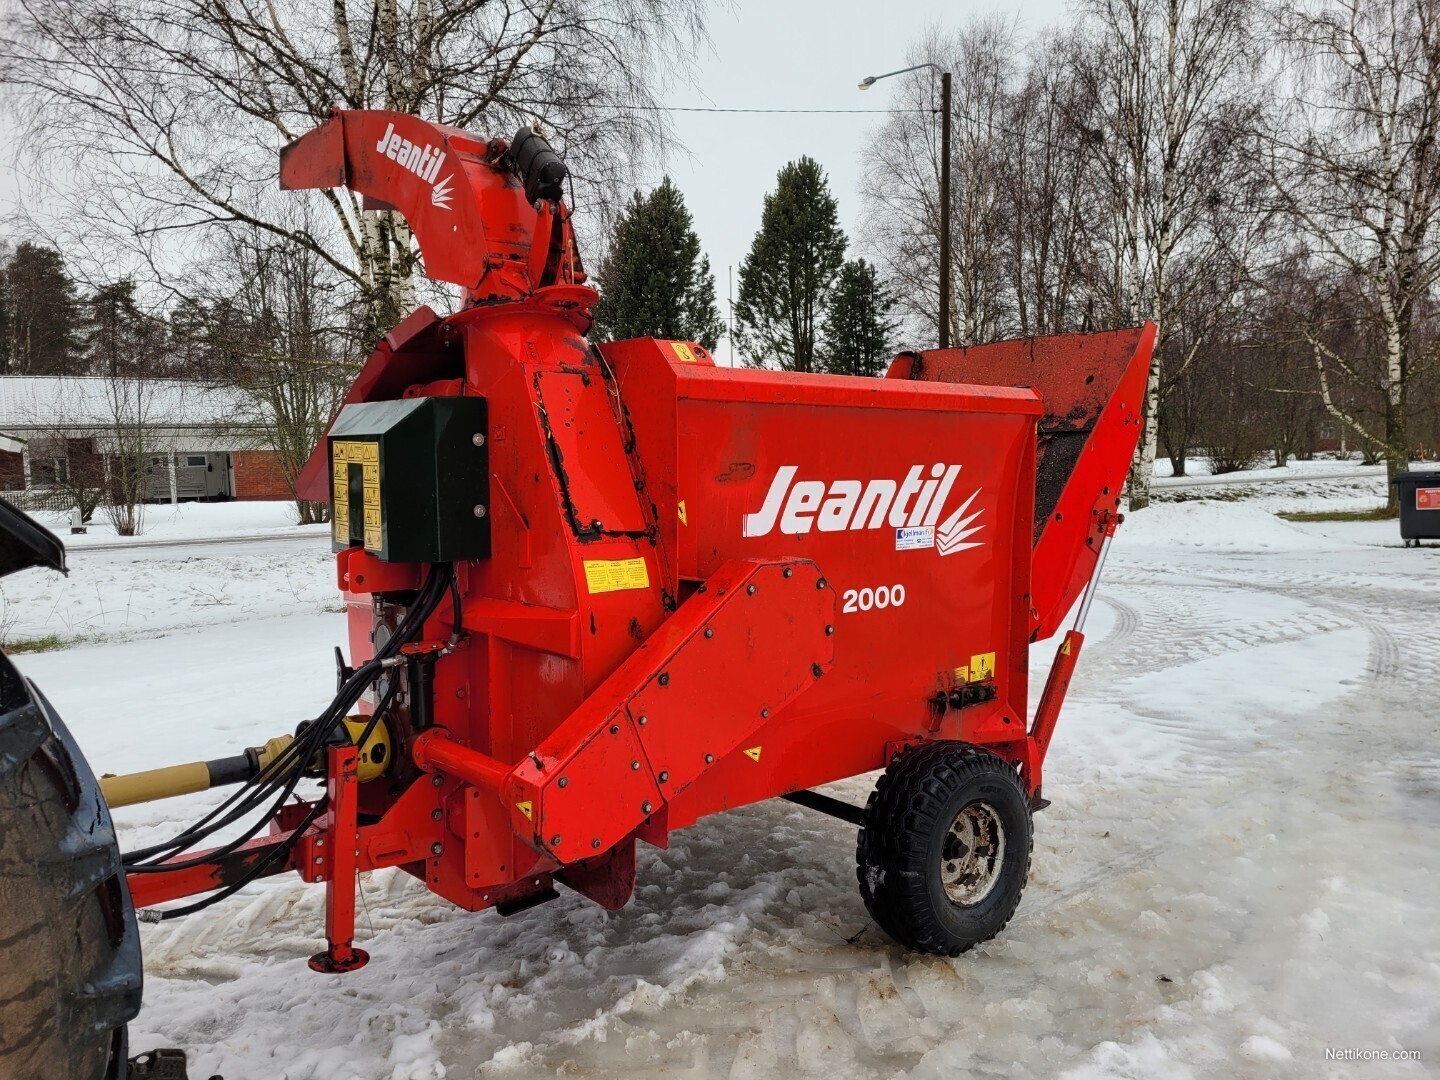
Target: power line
point(707, 109)
point(1089, 135)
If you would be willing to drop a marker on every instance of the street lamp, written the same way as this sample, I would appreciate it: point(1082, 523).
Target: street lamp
point(865, 84)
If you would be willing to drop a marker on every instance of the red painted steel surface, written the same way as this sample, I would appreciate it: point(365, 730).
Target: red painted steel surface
point(865, 553)
point(1092, 386)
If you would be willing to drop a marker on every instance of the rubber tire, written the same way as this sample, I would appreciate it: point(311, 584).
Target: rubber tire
point(897, 854)
point(69, 952)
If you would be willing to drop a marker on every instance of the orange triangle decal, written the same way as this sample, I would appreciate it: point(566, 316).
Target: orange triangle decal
point(753, 753)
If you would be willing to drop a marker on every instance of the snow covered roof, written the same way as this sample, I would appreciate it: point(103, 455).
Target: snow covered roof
point(49, 402)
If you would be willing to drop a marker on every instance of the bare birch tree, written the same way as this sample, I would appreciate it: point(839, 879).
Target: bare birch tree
point(158, 116)
point(1048, 179)
point(1171, 88)
point(1355, 165)
point(282, 327)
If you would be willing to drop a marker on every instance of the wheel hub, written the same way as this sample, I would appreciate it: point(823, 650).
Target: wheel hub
point(972, 854)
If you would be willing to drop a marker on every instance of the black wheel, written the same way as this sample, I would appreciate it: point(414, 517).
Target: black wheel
point(945, 849)
point(70, 974)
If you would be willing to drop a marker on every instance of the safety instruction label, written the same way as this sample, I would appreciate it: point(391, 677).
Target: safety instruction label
point(613, 575)
point(366, 457)
point(683, 352)
point(1427, 498)
point(917, 536)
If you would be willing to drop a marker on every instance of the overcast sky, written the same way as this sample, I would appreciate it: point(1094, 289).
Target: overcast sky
point(802, 54)
point(797, 54)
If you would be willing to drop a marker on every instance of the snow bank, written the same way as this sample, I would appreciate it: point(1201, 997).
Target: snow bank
point(1216, 526)
point(140, 591)
point(186, 521)
point(1199, 468)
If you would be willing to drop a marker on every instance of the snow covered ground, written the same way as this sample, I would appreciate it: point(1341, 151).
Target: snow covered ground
point(163, 522)
point(1240, 870)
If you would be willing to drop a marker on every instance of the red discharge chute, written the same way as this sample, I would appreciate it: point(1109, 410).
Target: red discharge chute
point(466, 207)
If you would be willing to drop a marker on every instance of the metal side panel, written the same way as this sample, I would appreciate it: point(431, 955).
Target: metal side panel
point(733, 655)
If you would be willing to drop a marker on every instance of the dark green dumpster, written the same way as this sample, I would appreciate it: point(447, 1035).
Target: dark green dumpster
point(1419, 506)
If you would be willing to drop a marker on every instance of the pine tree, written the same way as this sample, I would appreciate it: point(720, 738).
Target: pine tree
point(654, 282)
point(858, 327)
point(786, 279)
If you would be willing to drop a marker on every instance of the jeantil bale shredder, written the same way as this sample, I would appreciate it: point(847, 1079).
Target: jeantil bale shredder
point(596, 592)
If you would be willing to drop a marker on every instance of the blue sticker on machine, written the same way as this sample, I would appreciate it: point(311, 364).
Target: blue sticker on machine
point(915, 536)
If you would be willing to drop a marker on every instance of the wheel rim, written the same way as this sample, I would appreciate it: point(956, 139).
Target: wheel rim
point(972, 854)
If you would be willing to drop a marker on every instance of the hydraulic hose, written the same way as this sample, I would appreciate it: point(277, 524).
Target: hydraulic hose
point(274, 782)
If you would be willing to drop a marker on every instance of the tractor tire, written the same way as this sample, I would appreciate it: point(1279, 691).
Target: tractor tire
point(70, 974)
point(944, 852)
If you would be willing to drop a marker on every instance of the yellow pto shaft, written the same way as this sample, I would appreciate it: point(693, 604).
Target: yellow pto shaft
point(193, 776)
point(155, 784)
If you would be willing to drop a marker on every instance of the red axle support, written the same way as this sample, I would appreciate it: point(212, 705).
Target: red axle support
point(1057, 684)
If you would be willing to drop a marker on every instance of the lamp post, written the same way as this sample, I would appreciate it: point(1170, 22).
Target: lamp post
point(865, 84)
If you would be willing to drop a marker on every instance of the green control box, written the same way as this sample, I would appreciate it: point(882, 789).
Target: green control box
point(410, 479)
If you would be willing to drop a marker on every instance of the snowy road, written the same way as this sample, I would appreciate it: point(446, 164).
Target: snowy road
point(145, 548)
point(1240, 868)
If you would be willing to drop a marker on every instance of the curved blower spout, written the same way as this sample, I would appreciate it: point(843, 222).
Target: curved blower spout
point(487, 214)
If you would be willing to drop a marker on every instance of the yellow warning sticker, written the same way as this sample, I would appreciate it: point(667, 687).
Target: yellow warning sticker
point(340, 507)
point(962, 674)
point(982, 667)
point(683, 352)
point(1065, 649)
point(684, 518)
point(613, 575)
point(370, 475)
point(526, 809)
point(753, 753)
point(355, 451)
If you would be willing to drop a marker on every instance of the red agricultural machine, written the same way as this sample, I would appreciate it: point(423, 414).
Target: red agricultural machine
point(596, 592)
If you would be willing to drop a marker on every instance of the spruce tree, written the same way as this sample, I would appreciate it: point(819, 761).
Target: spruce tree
point(39, 313)
point(654, 282)
point(786, 279)
point(858, 326)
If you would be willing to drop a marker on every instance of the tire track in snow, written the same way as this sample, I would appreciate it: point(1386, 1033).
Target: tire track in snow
point(1127, 622)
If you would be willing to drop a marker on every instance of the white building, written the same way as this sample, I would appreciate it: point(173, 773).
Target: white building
point(195, 441)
